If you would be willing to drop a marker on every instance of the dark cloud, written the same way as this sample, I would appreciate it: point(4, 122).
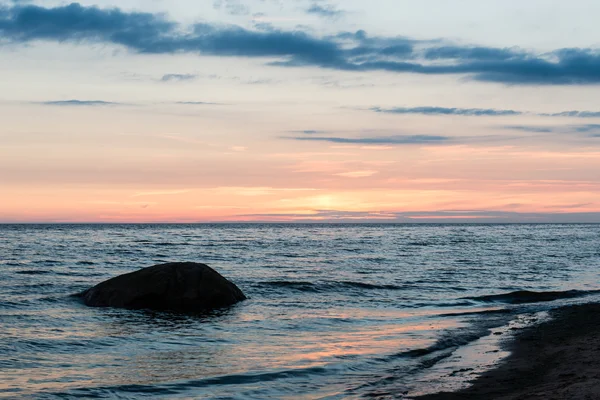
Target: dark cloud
point(446, 111)
point(178, 77)
point(349, 51)
point(76, 23)
point(79, 103)
point(471, 53)
point(395, 140)
point(327, 11)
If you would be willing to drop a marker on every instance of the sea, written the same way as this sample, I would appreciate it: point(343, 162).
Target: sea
point(334, 311)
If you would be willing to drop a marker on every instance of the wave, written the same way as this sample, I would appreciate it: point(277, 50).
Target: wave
point(178, 388)
point(527, 296)
point(170, 244)
point(328, 285)
point(451, 339)
point(33, 272)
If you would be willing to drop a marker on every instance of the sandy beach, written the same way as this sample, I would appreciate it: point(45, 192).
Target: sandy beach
point(558, 359)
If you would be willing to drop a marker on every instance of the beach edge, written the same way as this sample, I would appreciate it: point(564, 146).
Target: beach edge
point(556, 359)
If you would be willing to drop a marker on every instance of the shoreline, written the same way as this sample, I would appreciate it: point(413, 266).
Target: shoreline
point(557, 359)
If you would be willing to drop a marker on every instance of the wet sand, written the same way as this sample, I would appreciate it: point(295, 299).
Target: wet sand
point(558, 359)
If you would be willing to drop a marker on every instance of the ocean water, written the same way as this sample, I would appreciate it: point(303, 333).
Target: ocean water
point(334, 311)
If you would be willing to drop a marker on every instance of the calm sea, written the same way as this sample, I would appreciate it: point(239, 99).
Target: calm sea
point(334, 311)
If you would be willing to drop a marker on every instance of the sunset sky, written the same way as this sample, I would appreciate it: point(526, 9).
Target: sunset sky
point(300, 110)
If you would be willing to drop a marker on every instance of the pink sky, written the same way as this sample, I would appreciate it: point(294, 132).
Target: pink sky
point(96, 130)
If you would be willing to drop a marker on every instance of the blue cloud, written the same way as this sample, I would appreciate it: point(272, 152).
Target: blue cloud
point(391, 140)
point(327, 11)
point(23, 23)
point(446, 111)
point(471, 53)
point(178, 77)
point(348, 51)
point(590, 129)
point(480, 112)
point(532, 129)
point(587, 128)
point(79, 103)
point(233, 7)
point(198, 103)
point(575, 114)
point(310, 132)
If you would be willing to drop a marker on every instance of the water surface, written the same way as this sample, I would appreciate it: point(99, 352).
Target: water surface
point(334, 311)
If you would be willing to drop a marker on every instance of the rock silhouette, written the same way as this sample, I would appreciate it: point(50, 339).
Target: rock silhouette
point(180, 286)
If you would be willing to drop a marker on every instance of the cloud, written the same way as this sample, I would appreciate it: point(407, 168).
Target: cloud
point(471, 53)
point(445, 216)
point(396, 140)
point(310, 132)
point(233, 7)
point(479, 112)
point(576, 114)
point(349, 51)
point(587, 128)
point(446, 111)
point(76, 23)
point(161, 193)
point(198, 103)
point(530, 128)
point(178, 77)
point(79, 103)
point(591, 129)
point(357, 174)
point(328, 11)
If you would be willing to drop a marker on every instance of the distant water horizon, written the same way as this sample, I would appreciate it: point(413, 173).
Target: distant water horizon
point(335, 310)
point(304, 222)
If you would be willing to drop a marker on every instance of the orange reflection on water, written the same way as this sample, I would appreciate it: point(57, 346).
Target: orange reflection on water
point(381, 339)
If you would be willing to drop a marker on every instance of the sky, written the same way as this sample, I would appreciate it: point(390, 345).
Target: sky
point(300, 110)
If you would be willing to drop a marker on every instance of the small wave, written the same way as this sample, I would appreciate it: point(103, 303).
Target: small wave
point(290, 255)
point(47, 262)
point(328, 285)
point(169, 244)
point(297, 285)
point(13, 263)
point(454, 338)
point(8, 304)
point(526, 296)
point(364, 285)
point(419, 243)
point(477, 312)
point(33, 272)
point(181, 387)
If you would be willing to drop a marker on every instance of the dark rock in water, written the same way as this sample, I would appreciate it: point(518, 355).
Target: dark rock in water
point(184, 287)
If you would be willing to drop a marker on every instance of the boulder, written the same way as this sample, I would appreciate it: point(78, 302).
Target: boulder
point(182, 287)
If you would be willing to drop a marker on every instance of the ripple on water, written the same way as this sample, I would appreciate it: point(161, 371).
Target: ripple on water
point(334, 310)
